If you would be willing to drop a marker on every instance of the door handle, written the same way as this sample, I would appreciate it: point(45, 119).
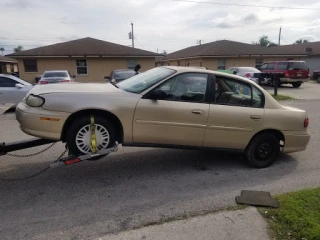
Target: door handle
point(255, 117)
point(197, 111)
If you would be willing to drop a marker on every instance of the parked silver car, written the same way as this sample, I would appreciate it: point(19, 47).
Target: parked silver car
point(13, 89)
point(119, 75)
point(247, 72)
point(56, 76)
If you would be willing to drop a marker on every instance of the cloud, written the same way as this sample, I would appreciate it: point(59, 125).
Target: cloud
point(250, 19)
point(224, 25)
point(19, 4)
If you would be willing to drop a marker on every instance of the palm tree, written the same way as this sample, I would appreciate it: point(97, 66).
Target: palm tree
point(299, 41)
point(2, 50)
point(18, 49)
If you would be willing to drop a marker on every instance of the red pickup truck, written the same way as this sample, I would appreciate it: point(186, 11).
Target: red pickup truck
point(296, 72)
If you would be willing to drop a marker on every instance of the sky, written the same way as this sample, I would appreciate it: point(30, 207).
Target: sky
point(159, 25)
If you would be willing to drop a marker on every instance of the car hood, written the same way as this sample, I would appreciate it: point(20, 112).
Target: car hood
point(75, 88)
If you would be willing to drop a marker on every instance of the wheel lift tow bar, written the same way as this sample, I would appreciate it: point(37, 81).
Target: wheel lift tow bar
point(15, 146)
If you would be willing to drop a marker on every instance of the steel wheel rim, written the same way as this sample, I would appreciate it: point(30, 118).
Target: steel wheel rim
point(83, 138)
point(264, 151)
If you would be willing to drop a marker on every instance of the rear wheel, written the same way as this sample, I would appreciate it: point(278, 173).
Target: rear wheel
point(318, 79)
point(296, 84)
point(79, 135)
point(263, 150)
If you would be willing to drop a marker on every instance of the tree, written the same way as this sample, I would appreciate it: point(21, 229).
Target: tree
point(18, 49)
point(265, 42)
point(164, 52)
point(299, 41)
point(2, 50)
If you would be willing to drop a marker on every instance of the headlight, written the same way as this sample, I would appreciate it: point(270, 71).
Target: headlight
point(34, 101)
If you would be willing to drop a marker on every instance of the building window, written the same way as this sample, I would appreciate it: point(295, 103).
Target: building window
point(30, 65)
point(259, 62)
point(82, 67)
point(221, 64)
point(131, 63)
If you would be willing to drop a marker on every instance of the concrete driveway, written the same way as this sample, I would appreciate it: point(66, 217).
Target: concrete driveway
point(309, 90)
point(135, 187)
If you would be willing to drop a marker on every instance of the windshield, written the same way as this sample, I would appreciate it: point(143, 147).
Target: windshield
point(142, 81)
point(123, 74)
point(54, 74)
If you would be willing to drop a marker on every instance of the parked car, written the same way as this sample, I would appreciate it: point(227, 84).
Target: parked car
point(13, 89)
point(296, 72)
point(119, 75)
point(247, 72)
point(175, 107)
point(57, 76)
point(316, 75)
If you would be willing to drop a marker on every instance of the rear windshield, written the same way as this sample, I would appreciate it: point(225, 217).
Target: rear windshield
point(55, 74)
point(123, 75)
point(292, 66)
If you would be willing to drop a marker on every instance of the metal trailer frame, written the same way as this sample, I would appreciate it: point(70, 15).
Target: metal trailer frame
point(6, 148)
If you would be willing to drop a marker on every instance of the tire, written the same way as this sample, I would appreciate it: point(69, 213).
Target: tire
point(318, 79)
point(79, 124)
point(296, 84)
point(263, 150)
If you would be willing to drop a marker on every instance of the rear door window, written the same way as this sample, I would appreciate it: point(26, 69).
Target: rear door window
point(282, 66)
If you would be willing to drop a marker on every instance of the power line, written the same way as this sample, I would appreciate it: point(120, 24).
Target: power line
point(247, 5)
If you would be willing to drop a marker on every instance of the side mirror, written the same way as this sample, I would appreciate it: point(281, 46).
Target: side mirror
point(19, 85)
point(158, 95)
point(107, 77)
point(74, 76)
point(235, 72)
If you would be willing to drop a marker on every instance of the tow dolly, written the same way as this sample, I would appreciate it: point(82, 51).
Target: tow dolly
point(6, 148)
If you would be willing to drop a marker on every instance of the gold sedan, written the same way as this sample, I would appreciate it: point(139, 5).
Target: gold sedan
point(172, 107)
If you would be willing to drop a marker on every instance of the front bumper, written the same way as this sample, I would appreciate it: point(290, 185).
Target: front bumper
point(295, 142)
point(39, 122)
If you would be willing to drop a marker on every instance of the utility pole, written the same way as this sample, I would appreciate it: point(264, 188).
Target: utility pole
point(199, 42)
point(132, 35)
point(279, 36)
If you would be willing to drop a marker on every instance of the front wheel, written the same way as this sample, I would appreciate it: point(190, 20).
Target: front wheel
point(79, 135)
point(263, 150)
point(296, 84)
point(318, 79)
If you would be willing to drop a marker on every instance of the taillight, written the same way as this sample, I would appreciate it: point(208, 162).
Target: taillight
point(286, 73)
point(306, 122)
point(247, 75)
point(43, 82)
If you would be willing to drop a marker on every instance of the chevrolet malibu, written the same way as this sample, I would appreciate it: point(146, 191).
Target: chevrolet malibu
point(170, 107)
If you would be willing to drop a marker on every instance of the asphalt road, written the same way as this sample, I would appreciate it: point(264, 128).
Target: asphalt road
point(135, 187)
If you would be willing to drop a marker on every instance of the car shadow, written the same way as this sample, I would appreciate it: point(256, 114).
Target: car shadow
point(88, 193)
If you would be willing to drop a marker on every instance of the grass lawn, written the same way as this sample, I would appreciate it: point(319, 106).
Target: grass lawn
point(298, 216)
point(280, 97)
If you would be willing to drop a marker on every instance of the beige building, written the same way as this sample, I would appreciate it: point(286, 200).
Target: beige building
point(225, 54)
point(90, 60)
point(8, 65)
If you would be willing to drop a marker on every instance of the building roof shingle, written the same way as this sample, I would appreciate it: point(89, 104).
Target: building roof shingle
point(232, 48)
point(85, 47)
point(6, 59)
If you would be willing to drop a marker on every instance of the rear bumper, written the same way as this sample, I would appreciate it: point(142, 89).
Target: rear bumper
point(291, 80)
point(295, 142)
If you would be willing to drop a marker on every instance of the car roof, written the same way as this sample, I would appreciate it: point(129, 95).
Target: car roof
point(200, 70)
point(284, 61)
point(118, 70)
point(56, 71)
